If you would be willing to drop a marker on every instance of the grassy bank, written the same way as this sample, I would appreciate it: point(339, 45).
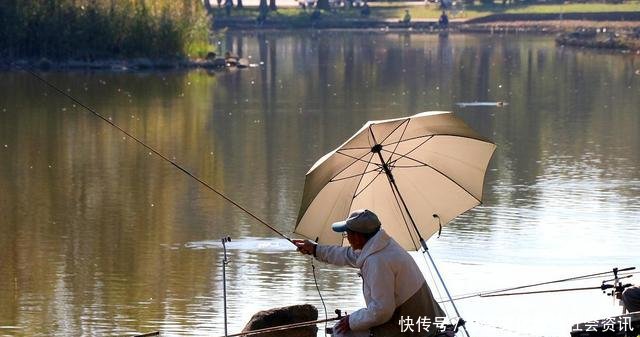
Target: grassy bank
point(91, 30)
point(420, 11)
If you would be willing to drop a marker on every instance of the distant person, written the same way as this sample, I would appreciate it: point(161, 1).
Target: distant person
point(631, 299)
point(228, 4)
point(262, 16)
point(443, 22)
point(407, 16)
point(366, 10)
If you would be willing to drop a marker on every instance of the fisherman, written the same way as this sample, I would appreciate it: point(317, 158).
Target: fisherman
point(631, 298)
point(393, 286)
point(407, 17)
point(366, 10)
point(443, 22)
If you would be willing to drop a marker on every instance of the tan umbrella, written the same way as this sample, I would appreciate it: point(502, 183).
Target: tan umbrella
point(416, 173)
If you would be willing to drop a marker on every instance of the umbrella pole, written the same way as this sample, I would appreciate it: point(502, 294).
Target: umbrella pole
point(423, 243)
point(446, 290)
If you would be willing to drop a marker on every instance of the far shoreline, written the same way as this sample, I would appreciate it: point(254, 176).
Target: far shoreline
point(545, 27)
point(115, 64)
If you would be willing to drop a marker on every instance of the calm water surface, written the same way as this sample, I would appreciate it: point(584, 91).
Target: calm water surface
point(100, 238)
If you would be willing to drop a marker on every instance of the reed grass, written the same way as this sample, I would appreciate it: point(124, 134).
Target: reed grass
point(103, 29)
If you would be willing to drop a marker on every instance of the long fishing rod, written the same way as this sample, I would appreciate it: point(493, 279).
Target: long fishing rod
point(575, 278)
point(283, 327)
point(602, 287)
point(159, 154)
point(179, 167)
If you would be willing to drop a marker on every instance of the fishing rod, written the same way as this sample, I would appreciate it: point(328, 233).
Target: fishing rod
point(158, 153)
point(284, 327)
point(179, 167)
point(603, 287)
point(575, 278)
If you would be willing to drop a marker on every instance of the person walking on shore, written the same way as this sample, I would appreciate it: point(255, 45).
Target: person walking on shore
point(393, 286)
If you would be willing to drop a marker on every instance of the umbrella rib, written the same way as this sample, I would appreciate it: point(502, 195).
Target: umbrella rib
point(356, 148)
point(405, 122)
point(369, 184)
point(355, 161)
point(441, 134)
point(355, 175)
point(439, 172)
point(397, 143)
point(409, 139)
point(408, 166)
point(361, 176)
point(372, 136)
point(415, 148)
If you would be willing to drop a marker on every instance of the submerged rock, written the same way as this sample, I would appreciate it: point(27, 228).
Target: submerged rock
point(283, 316)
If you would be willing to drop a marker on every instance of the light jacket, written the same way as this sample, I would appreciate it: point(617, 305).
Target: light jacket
point(391, 279)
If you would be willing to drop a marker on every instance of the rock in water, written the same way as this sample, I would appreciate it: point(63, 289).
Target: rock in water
point(283, 316)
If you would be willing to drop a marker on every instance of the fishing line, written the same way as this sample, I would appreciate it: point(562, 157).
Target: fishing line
point(315, 280)
point(178, 166)
point(576, 278)
point(542, 291)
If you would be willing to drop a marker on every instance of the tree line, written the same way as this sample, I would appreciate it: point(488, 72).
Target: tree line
point(97, 29)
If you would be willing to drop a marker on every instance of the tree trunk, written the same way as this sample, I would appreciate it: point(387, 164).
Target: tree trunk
point(263, 7)
point(272, 5)
point(239, 4)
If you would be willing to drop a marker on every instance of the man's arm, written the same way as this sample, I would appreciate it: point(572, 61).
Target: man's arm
point(379, 278)
point(339, 256)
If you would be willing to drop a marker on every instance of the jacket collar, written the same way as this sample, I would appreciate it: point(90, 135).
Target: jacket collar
point(375, 244)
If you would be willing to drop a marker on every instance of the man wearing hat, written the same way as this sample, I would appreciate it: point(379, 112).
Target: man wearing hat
point(393, 286)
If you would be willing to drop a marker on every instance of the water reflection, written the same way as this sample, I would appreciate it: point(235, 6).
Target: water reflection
point(101, 238)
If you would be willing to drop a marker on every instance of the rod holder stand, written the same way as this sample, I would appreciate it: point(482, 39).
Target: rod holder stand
point(225, 261)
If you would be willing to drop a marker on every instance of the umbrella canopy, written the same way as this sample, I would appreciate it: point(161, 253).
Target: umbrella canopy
point(435, 160)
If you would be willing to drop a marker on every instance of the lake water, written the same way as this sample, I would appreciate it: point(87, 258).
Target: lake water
point(100, 238)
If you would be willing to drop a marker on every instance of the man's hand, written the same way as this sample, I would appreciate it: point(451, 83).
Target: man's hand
point(343, 325)
point(305, 246)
